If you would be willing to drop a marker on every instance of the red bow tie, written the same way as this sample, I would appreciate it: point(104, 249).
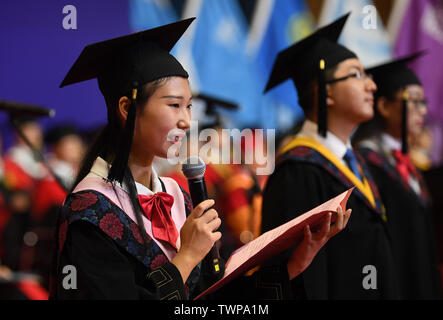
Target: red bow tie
point(157, 208)
point(404, 165)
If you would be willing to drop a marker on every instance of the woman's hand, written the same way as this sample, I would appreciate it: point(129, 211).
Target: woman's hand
point(312, 243)
point(197, 237)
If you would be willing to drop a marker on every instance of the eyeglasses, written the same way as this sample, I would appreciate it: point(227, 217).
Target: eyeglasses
point(416, 103)
point(358, 74)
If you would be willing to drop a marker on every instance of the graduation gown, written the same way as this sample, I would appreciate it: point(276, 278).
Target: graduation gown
point(5, 215)
point(433, 179)
point(411, 227)
point(306, 175)
point(106, 248)
point(20, 187)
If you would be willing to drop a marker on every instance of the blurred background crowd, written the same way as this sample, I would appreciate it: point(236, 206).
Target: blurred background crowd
point(228, 51)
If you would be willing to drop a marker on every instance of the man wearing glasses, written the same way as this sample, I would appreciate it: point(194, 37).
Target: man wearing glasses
point(336, 95)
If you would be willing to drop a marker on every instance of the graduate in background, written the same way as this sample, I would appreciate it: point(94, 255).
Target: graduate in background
point(5, 213)
point(21, 174)
point(319, 163)
point(22, 170)
point(15, 205)
point(242, 193)
point(213, 121)
point(400, 109)
point(66, 150)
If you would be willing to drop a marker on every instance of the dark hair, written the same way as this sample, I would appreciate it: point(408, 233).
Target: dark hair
point(107, 142)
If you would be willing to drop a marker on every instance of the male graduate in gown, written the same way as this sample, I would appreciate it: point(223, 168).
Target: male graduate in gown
point(319, 163)
point(399, 110)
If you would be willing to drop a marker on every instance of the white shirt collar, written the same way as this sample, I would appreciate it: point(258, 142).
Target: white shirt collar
point(331, 142)
point(156, 185)
point(100, 168)
point(389, 142)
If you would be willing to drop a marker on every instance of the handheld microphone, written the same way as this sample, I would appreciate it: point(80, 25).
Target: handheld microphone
point(194, 170)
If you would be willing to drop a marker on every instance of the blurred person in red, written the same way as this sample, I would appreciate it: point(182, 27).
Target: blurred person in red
point(241, 194)
point(21, 168)
point(22, 172)
point(66, 150)
point(4, 212)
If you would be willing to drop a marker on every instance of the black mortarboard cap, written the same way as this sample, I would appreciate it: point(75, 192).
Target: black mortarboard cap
point(212, 106)
point(393, 76)
point(307, 60)
point(140, 57)
point(21, 114)
point(18, 109)
point(126, 63)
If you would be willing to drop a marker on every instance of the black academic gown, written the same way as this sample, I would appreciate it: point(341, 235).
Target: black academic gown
point(411, 226)
point(303, 179)
point(433, 178)
point(111, 262)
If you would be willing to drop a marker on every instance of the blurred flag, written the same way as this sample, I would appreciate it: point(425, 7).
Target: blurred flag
point(215, 50)
point(277, 24)
point(417, 25)
point(364, 32)
point(145, 14)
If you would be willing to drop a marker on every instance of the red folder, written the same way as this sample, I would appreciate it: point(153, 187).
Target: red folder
point(277, 240)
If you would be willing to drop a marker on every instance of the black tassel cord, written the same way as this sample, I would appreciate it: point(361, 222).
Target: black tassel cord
point(322, 113)
point(404, 121)
point(120, 163)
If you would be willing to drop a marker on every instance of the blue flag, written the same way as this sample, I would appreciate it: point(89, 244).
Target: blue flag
point(145, 14)
point(276, 25)
point(218, 51)
point(364, 32)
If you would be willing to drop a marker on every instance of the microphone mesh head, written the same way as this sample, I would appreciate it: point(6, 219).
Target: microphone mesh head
point(194, 168)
